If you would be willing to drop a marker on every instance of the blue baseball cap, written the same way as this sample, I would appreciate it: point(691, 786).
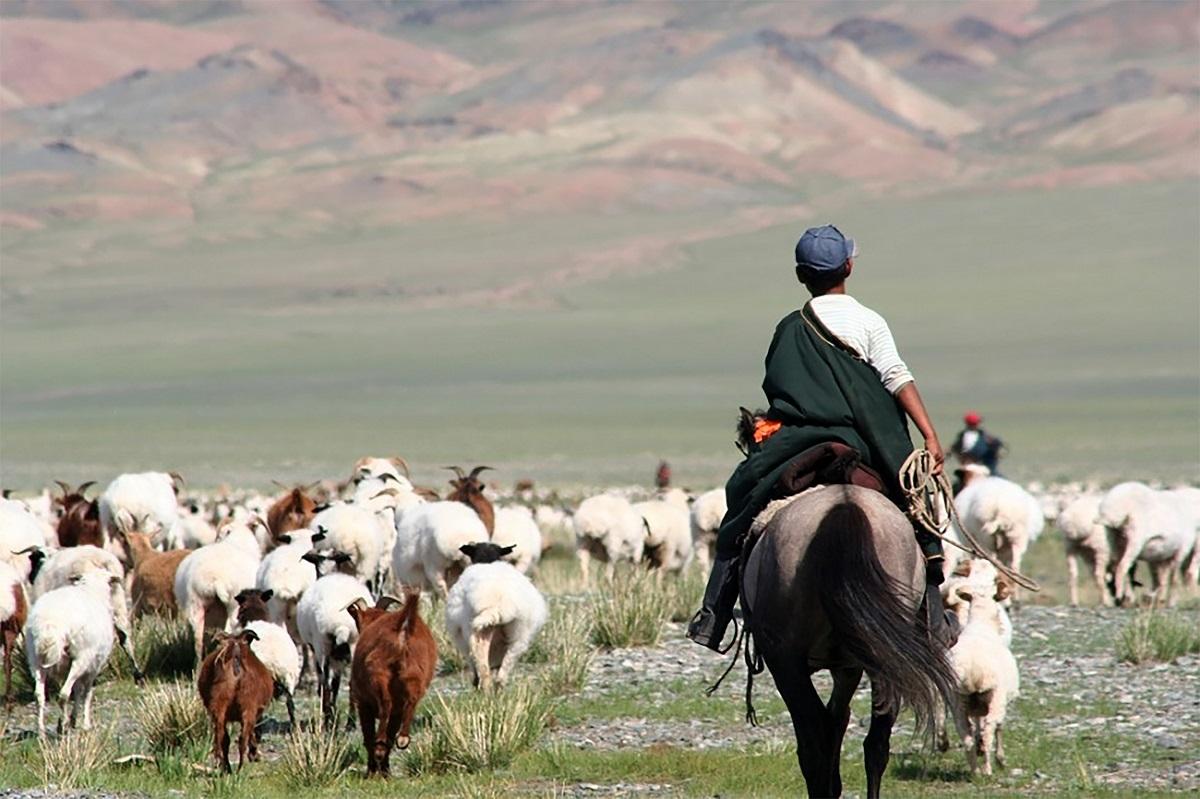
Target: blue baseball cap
point(824, 249)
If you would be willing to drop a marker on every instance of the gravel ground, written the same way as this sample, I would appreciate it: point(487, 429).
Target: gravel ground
point(1066, 660)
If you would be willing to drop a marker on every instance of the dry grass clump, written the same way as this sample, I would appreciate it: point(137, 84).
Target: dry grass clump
point(565, 646)
point(171, 718)
point(315, 758)
point(74, 760)
point(1157, 636)
point(631, 610)
point(163, 647)
point(479, 730)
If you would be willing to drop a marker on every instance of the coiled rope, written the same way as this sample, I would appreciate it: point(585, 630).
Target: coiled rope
point(926, 493)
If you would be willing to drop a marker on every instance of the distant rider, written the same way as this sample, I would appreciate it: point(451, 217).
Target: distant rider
point(973, 444)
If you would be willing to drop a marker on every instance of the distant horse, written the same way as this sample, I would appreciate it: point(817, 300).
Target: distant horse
point(835, 583)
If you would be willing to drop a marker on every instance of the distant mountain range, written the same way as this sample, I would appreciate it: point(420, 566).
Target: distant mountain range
point(374, 112)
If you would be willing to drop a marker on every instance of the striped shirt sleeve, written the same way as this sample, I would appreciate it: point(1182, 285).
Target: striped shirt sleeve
point(884, 358)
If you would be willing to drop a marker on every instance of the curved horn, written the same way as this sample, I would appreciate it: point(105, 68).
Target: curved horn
point(386, 601)
point(475, 472)
point(27, 550)
point(383, 478)
point(387, 492)
point(84, 487)
point(66, 489)
point(281, 485)
point(176, 477)
point(401, 464)
point(457, 470)
point(311, 486)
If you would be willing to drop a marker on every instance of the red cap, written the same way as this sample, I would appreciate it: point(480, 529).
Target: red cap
point(972, 418)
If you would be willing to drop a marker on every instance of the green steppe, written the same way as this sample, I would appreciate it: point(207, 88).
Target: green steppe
point(245, 351)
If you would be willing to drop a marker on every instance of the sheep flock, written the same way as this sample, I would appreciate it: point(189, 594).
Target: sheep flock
point(295, 591)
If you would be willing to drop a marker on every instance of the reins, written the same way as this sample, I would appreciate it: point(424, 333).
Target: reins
point(925, 491)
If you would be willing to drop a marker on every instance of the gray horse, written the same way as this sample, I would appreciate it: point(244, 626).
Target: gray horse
point(835, 583)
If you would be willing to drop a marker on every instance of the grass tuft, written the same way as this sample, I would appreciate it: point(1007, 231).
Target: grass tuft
point(481, 730)
point(687, 591)
point(565, 647)
point(1157, 636)
point(315, 758)
point(172, 718)
point(75, 759)
point(631, 610)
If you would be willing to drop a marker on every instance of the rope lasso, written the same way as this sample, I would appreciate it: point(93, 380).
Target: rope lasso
point(926, 493)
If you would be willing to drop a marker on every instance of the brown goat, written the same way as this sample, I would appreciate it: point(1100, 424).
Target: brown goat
point(10, 628)
point(80, 520)
point(235, 687)
point(292, 511)
point(468, 489)
point(153, 586)
point(391, 671)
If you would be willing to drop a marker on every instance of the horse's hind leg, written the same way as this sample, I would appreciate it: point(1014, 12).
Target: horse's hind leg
point(811, 723)
point(845, 683)
point(877, 745)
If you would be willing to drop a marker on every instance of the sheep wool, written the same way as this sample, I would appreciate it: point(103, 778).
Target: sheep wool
point(493, 614)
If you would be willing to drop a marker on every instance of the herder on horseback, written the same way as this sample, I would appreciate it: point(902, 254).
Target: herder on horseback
point(838, 396)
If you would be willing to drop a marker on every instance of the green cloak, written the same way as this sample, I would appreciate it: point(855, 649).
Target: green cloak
point(822, 391)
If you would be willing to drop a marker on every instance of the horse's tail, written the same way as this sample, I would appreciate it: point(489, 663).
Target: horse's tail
point(873, 620)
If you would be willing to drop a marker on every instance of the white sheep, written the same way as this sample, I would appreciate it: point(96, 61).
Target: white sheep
point(1187, 500)
point(555, 525)
point(387, 498)
point(668, 545)
point(68, 638)
point(608, 528)
point(208, 580)
point(392, 470)
point(708, 510)
point(354, 530)
point(987, 678)
point(63, 567)
point(977, 576)
point(493, 613)
point(279, 654)
point(144, 501)
point(1000, 512)
point(516, 526)
point(194, 530)
point(284, 572)
point(19, 532)
point(14, 607)
point(1146, 525)
point(1084, 538)
point(428, 538)
point(327, 627)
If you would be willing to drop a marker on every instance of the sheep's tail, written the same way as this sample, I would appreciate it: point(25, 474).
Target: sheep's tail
point(873, 620)
point(50, 646)
point(492, 617)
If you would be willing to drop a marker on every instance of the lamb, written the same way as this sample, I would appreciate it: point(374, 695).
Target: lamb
point(325, 626)
point(516, 526)
point(144, 501)
point(235, 687)
point(68, 638)
point(428, 541)
point(668, 544)
point(977, 575)
point(1146, 525)
point(1085, 539)
point(707, 512)
point(354, 530)
point(1000, 511)
point(468, 489)
point(14, 607)
point(20, 534)
point(209, 579)
point(987, 678)
point(153, 586)
point(273, 646)
point(63, 567)
point(392, 669)
point(493, 613)
point(607, 527)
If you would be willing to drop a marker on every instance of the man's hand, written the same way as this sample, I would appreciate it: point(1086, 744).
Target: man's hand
point(939, 455)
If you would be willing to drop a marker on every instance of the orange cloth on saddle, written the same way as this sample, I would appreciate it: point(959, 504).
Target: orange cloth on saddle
point(764, 429)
